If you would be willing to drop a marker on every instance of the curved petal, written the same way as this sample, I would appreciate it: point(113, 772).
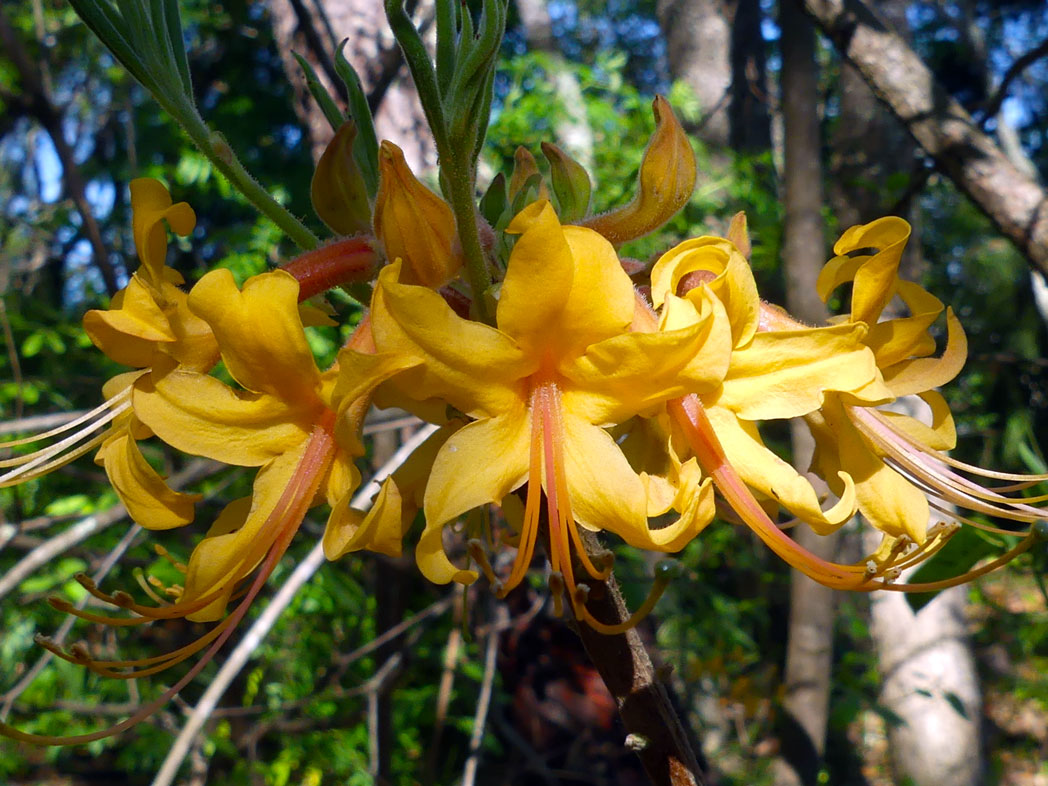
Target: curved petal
point(921, 374)
point(632, 372)
point(380, 529)
point(151, 205)
point(940, 435)
point(148, 499)
point(732, 284)
point(260, 333)
point(605, 492)
point(474, 367)
point(130, 330)
point(877, 276)
point(239, 538)
point(198, 414)
point(762, 470)
point(480, 463)
point(785, 374)
point(890, 502)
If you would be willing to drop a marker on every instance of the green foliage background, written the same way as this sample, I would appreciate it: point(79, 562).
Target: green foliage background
point(722, 625)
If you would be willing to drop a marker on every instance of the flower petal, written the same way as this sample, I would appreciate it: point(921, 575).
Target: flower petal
point(921, 374)
point(474, 367)
point(380, 529)
point(239, 539)
point(260, 333)
point(605, 492)
point(149, 500)
point(632, 372)
point(480, 463)
point(764, 471)
point(784, 374)
point(198, 414)
point(151, 205)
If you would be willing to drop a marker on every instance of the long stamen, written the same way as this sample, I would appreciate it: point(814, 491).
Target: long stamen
point(530, 525)
point(691, 416)
point(287, 516)
point(84, 418)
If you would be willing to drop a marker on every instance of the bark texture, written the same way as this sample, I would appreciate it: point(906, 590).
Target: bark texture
point(315, 28)
point(717, 48)
point(1014, 202)
point(929, 681)
point(926, 663)
point(809, 654)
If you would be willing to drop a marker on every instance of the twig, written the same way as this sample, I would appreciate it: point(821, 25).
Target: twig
point(480, 718)
point(103, 570)
point(656, 732)
point(447, 681)
point(37, 422)
point(87, 527)
point(992, 106)
point(261, 626)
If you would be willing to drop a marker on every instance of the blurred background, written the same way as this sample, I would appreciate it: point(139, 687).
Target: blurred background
point(870, 691)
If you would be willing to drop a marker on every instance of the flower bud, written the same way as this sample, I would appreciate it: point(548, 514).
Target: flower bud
point(524, 170)
point(665, 183)
point(413, 223)
point(571, 184)
point(338, 192)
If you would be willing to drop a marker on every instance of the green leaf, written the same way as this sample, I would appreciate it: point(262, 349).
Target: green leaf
point(958, 556)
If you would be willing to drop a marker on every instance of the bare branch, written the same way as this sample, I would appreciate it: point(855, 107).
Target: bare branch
point(1024, 61)
point(103, 570)
point(41, 107)
point(265, 622)
point(87, 527)
point(899, 78)
point(480, 718)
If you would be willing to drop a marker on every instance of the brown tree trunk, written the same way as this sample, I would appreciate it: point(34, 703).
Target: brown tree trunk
point(925, 659)
point(1014, 202)
point(315, 29)
point(717, 48)
point(809, 655)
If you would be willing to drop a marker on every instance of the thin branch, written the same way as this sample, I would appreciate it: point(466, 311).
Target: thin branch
point(67, 625)
point(656, 731)
point(87, 527)
point(480, 718)
point(42, 108)
point(265, 622)
point(973, 161)
point(992, 106)
point(38, 422)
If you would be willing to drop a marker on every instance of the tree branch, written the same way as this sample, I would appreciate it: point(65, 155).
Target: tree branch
point(899, 78)
point(655, 729)
point(39, 105)
point(1024, 61)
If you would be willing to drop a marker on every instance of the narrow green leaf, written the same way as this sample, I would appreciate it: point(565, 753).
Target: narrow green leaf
point(365, 147)
point(958, 556)
point(334, 115)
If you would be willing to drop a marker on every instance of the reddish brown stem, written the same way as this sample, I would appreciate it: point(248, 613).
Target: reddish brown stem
point(346, 261)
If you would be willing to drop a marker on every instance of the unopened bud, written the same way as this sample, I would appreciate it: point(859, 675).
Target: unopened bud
point(571, 184)
point(739, 235)
point(664, 186)
point(525, 173)
point(413, 223)
point(339, 195)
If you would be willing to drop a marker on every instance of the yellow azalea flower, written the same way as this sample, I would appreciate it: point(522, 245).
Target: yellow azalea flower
point(772, 375)
point(148, 319)
point(541, 387)
point(298, 425)
point(888, 451)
